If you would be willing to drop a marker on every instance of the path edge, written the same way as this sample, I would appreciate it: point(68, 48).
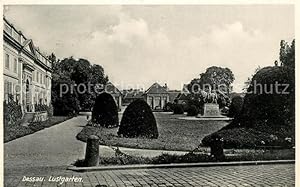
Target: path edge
point(177, 165)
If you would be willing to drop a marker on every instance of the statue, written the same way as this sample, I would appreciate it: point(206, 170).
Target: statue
point(214, 97)
point(209, 97)
point(210, 103)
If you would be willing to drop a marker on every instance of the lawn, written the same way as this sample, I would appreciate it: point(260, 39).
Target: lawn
point(15, 131)
point(174, 134)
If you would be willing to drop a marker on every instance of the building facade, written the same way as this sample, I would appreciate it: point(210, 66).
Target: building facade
point(157, 96)
point(131, 95)
point(26, 70)
point(115, 93)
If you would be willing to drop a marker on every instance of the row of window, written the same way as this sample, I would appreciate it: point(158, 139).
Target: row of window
point(37, 76)
point(158, 98)
point(11, 88)
point(8, 87)
point(11, 66)
point(11, 94)
point(40, 98)
point(12, 97)
point(40, 77)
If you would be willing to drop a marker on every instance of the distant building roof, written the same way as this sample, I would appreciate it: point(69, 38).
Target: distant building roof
point(112, 89)
point(134, 95)
point(156, 89)
point(173, 94)
point(182, 96)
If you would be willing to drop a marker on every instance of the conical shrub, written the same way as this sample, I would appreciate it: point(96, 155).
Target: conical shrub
point(105, 111)
point(138, 121)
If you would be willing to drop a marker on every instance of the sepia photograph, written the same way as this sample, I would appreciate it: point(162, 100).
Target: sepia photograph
point(140, 95)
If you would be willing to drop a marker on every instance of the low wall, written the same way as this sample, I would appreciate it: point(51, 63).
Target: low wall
point(40, 116)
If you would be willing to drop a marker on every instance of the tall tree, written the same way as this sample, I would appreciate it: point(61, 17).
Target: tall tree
point(73, 73)
point(287, 54)
point(215, 77)
point(268, 105)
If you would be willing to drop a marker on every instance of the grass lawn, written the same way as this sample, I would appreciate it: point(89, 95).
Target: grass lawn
point(174, 134)
point(15, 131)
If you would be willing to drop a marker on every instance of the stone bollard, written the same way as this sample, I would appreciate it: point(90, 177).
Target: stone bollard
point(216, 148)
point(92, 151)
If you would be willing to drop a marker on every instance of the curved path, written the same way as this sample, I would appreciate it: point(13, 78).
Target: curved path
point(57, 147)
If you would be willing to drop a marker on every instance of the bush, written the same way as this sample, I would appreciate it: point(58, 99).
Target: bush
point(12, 112)
point(40, 108)
point(264, 115)
point(105, 111)
point(274, 110)
point(250, 138)
point(169, 107)
point(236, 106)
point(44, 108)
point(66, 106)
point(178, 109)
point(50, 110)
point(192, 111)
point(17, 130)
point(166, 158)
point(138, 121)
point(224, 111)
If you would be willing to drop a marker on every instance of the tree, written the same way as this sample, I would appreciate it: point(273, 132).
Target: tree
point(73, 73)
point(52, 59)
point(105, 111)
point(217, 76)
point(265, 106)
point(287, 54)
point(63, 104)
point(268, 114)
point(248, 82)
point(214, 78)
point(138, 121)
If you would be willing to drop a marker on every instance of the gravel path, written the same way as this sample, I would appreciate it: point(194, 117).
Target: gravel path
point(54, 146)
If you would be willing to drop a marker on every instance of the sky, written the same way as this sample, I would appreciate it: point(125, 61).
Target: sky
point(139, 45)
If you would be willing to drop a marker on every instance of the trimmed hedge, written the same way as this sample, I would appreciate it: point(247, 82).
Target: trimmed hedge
point(42, 108)
point(138, 121)
point(105, 111)
point(266, 118)
point(169, 107)
point(192, 111)
point(271, 109)
point(235, 106)
point(178, 109)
